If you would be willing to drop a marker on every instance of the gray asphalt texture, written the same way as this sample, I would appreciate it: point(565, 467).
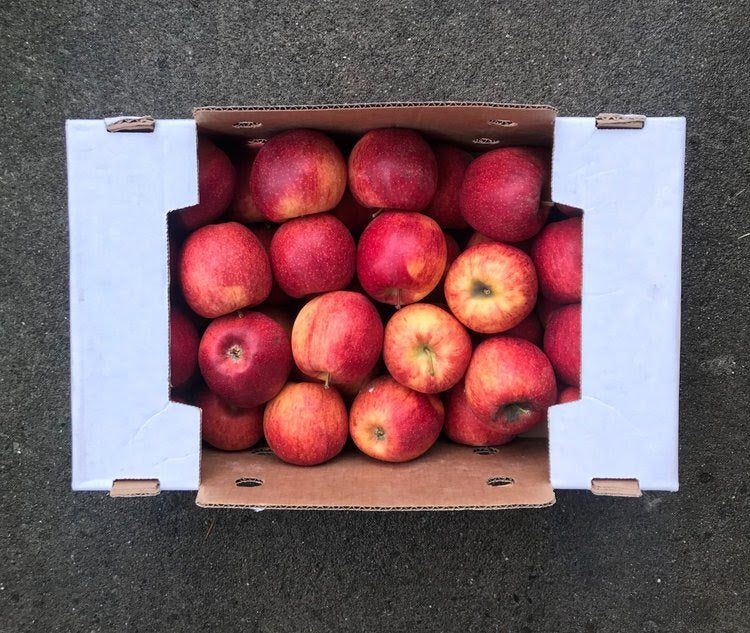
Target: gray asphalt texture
point(85, 562)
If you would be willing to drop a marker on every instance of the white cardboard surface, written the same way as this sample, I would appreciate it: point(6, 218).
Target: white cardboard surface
point(120, 187)
point(629, 184)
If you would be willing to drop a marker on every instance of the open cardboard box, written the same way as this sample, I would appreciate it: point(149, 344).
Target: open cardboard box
point(625, 173)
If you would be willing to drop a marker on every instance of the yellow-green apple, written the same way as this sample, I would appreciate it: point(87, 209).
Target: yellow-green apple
point(562, 343)
point(223, 267)
point(243, 207)
point(530, 329)
point(393, 423)
point(401, 257)
point(313, 254)
point(464, 426)
point(245, 358)
point(510, 382)
point(337, 337)
point(183, 347)
point(306, 424)
point(227, 427)
point(452, 251)
point(354, 216)
point(501, 193)
point(216, 177)
point(265, 232)
point(544, 308)
point(491, 287)
point(425, 348)
point(297, 172)
point(451, 164)
point(393, 168)
point(569, 394)
point(558, 255)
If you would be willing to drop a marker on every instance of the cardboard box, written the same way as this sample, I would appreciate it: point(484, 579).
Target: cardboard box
point(625, 173)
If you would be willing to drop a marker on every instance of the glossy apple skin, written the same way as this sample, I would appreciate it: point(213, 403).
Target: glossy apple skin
point(242, 207)
point(216, 178)
point(562, 343)
point(393, 168)
point(297, 172)
point(393, 423)
point(353, 215)
point(544, 308)
point(444, 207)
point(223, 267)
point(227, 427)
point(265, 232)
point(558, 256)
point(313, 254)
point(491, 287)
point(452, 251)
point(306, 424)
point(463, 426)
point(529, 329)
point(337, 337)
point(401, 257)
point(245, 358)
point(501, 194)
point(569, 394)
point(183, 347)
point(510, 382)
point(425, 348)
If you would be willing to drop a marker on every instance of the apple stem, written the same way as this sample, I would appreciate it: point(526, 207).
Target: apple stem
point(398, 298)
point(546, 203)
point(326, 383)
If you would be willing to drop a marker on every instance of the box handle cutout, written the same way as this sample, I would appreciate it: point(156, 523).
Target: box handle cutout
point(616, 487)
point(502, 122)
point(132, 124)
point(485, 450)
point(248, 482)
point(135, 488)
point(612, 121)
point(500, 481)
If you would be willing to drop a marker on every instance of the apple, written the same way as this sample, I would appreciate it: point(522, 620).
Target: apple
point(223, 267)
point(243, 207)
point(401, 257)
point(306, 424)
point(265, 232)
point(544, 308)
point(501, 194)
point(183, 347)
point(569, 394)
point(478, 238)
point(245, 358)
point(425, 348)
point(297, 172)
point(510, 382)
point(491, 287)
point(393, 168)
point(354, 216)
point(393, 423)
point(280, 315)
point(444, 207)
point(337, 337)
point(313, 254)
point(452, 251)
point(227, 427)
point(463, 426)
point(216, 178)
point(562, 343)
point(530, 329)
point(558, 256)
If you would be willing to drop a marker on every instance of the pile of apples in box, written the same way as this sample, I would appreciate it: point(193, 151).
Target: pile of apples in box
point(410, 290)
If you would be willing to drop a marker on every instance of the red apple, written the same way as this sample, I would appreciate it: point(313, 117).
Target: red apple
point(243, 207)
point(558, 257)
point(510, 382)
point(354, 216)
point(313, 254)
point(501, 194)
point(223, 267)
point(426, 348)
point(453, 250)
point(227, 427)
point(401, 257)
point(393, 168)
point(280, 315)
point(306, 424)
point(337, 337)
point(529, 329)
point(393, 423)
point(562, 343)
point(297, 172)
point(478, 238)
point(464, 426)
point(265, 232)
point(491, 287)
point(245, 358)
point(569, 394)
point(183, 347)
point(216, 177)
point(544, 308)
point(444, 208)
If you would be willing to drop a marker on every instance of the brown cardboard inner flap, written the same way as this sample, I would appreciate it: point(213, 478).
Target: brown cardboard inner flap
point(448, 476)
point(477, 126)
point(616, 487)
point(135, 488)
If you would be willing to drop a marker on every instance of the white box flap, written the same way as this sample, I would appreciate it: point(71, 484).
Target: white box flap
point(120, 187)
point(629, 183)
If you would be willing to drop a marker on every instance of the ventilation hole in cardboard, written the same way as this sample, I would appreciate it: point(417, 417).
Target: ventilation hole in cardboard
point(248, 482)
point(261, 450)
point(485, 450)
point(500, 481)
point(247, 124)
point(485, 141)
point(502, 122)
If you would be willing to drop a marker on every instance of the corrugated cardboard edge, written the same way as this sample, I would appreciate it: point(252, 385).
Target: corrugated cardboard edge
point(613, 121)
point(382, 104)
point(131, 124)
point(135, 488)
point(616, 487)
